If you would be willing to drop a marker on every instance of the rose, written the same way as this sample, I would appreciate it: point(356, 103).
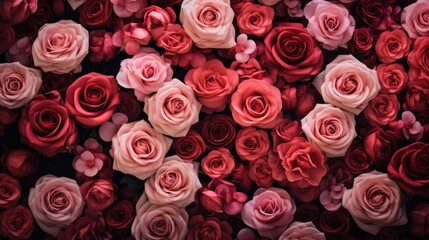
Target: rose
point(131, 36)
point(285, 131)
point(174, 39)
point(416, 100)
point(261, 173)
point(302, 230)
point(101, 46)
point(330, 23)
point(19, 84)
point(208, 23)
point(335, 223)
point(46, 126)
point(16, 223)
point(299, 164)
point(60, 47)
point(356, 160)
point(190, 147)
point(7, 36)
point(129, 106)
point(60, 83)
point(213, 84)
point(361, 41)
point(146, 72)
point(159, 221)
point(392, 77)
point(96, 14)
point(55, 198)
point(392, 46)
point(301, 59)
point(10, 191)
point(236, 5)
point(173, 109)
point(252, 70)
point(126, 8)
point(379, 145)
point(155, 17)
point(17, 12)
point(120, 215)
point(307, 212)
point(414, 19)
point(192, 59)
point(298, 98)
point(419, 220)
point(330, 129)
point(375, 201)
point(374, 13)
point(382, 110)
point(407, 167)
point(21, 163)
point(201, 228)
point(255, 19)
point(218, 131)
point(87, 227)
point(218, 163)
point(419, 65)
point(98, 194)
point(138, 149)
point(252, 144)
point(256, 103)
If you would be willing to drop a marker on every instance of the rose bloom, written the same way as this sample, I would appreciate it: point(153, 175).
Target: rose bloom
point(129, 105)
point(10, 191)
point(101, 46)
point(307, 212)
point(302, 230)
point(375, 14)
point(392, 77)
point(201, 228)
point(419, 220)
point(299, 98)
point(120, 215)
point(138, 149)
point(208, 22)
point(269, 2)
point(46, 125)
point(96, 14)
point(255, 19)
point(218, 131)
point(330, 23)
point(60, 47)
point(329, 128)
point(414, 19)
point(348, 84)
point(356, 160)
point(173, 109)
point(156, 17)
point(253, 70)
point(379, 146)
point(361, 42)
point(19, 84)
point(55, 198)
point(58, 82)
point(269, 212)
point(146, 72)
point(335, 223)
point(382, 110)
point(17, 11)
point(8, 37)
point(98, 194)
point(408, 167)
point(173, 39)
point(175, 182)
point(261, 173)
point(190, 147)
point(392, 46)
point(256, 103)
point(218, 163)
point(252, 144)
point(16, 223)
point(89, 226)
point(417, 60)
point(213, 83)
point(20, 163)
point(285, 131)
point(159, 221)
point(301, 60)
point(375, 201)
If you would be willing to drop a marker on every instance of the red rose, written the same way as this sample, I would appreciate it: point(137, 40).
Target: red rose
point(10, 191)
point(218, 163)
point(7, 37)
point(382, 110)
point(307, 212)
point(98, 194)
point(253, 70)
point(129, 106)
point(209, 228)
point(255, 19)
point(101, 46)
point(260, 172)
point(46, 126)
point(419, 220)
point(379, 145)
point(392, 77)
point(335, 224)
point(374, 14)
point(156, 17)
point(218, 131)
point(285, 131)
point(16, 223)
point(362, 42)
point(417, 100)
point(295, 52)
point(96, 14)
point(408, 167)
point(21, 163)
point(120, 215)
point(92, 99)
point(58, 82)
point(298, 98)
point(30, 27)
point(252, 144)
point(236, 5)
point(417, 59)
point(356, 159)
point(173, 39)
point(189, 147)
point(87, 227)
point(392, 46)
point(8, 116)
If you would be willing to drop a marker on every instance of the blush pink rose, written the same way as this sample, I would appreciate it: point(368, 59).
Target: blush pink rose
point(330, 23)
point(208, 22)
point(218, 163)
point(60, 47)
point(330, 128)
point(375, 201)
point(175, 182)
point(392, 46)
point(138, 149)
point(173, 109)
point(146, 72)
point(269, 212)
point(255, 19)
point(256, 103)
point(348, 84)
point(414, 19)
point(17, 11)
point(19, 84)
point(55, 198)
point(392, 77)
point(252, 144)
point(302, 230)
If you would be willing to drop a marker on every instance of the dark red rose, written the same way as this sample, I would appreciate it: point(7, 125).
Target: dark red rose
point(382, 109)
point(101, 46)
point(16, 223)
point(419, 220)
point(120, 215)
point(416, 100)
point(379, 146)
point(260, 172)
point(307, 212)
point(21, 163)
point(335, 224)
point(356, 159)
point(237, 4)
point(362, 42)
point(96, 14)
point(129, 106)
point(165, 3)
point(218, 131)
point(7, 37)
point(58, 82)
point(10, 191)
point(8, 116)
point(285, 131)
point(209, 228)
point(240, 176)
point(374, 14)
point(305, 194)
point(409, 167)
point(389, 233)
point(298, 98)
point(87, 227)
point(190, 147)
point(98, 194)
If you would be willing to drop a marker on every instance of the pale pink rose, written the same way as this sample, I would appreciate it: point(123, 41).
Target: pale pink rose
point(375, 201)
point(60, 47)
point(302, 230)
point(348, 84)
point(146, 72)
point(269, 2)
point(159, 221)
point(329, 128)
point(173, 109)
point(55, 202)
point(175, 182)
point(269, 212)
point(208, 22)
point(414, 19)
point(19, 84)
point(126, 8)
point(138, 149)
point(330, 23)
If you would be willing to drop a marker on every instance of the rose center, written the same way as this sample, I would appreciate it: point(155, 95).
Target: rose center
point(159, 226)
point(14, 84)
point(209, 16)
point(141, 146)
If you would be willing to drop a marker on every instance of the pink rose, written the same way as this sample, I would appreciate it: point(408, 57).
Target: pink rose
point(218, 163)
point(17, 11)
point(392, 77)
point(55, 198)
point(348, 84)
point(375, 201)
point(126, 8)
point(392, 46)
point(174, 39)
point(252, 144)
point(302, 230)
point(175, 182)
point(256, 103)
point(261, 173)
point(173, 109)
point(60, 47)
point(19, 84)
point(155, 17)
point(138, 149)
point(208, 22)
point(255, 19)
point(330, 129)
point(414, 19)
point(330, 23)
point(101, 46)
point(146, 72)
point(269, 212)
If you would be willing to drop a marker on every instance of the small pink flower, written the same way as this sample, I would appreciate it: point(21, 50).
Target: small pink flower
point(332, 193)
point(109, 129)
point(412, 128)
point(132, 36)
point(89, 159)
point(20, 52)
point(126, 8)
point(244, 48)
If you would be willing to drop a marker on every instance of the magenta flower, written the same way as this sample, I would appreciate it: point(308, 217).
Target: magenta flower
point(244, 48)
point(413, 130)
